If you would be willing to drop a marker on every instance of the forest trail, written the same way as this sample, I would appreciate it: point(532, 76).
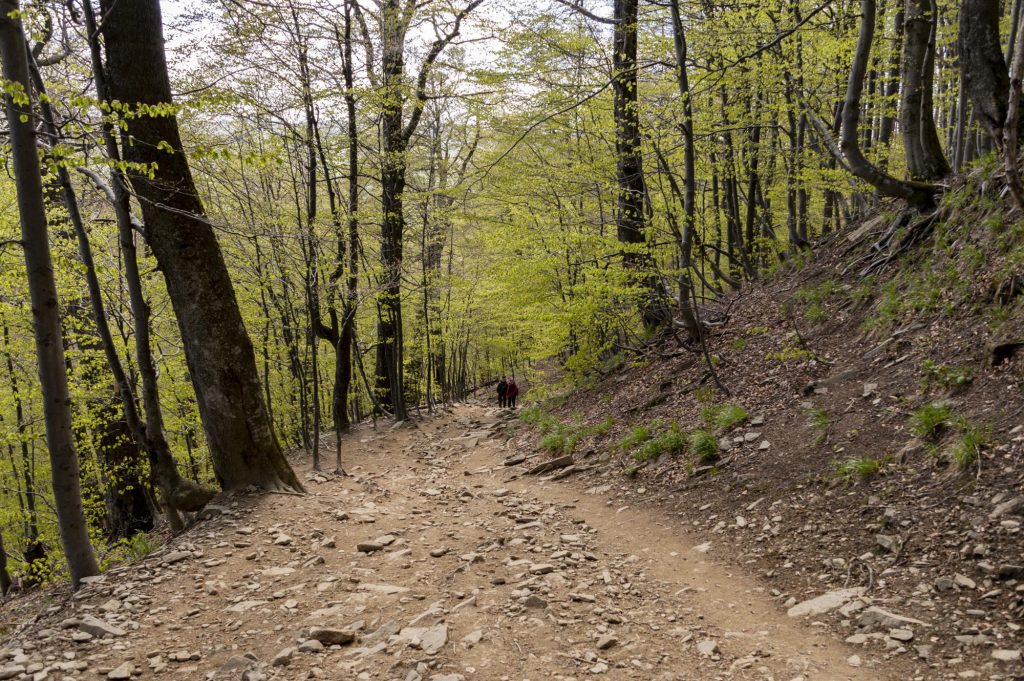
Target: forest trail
point(431, 561)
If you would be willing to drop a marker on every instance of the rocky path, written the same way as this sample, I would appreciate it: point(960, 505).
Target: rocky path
point(434, 561)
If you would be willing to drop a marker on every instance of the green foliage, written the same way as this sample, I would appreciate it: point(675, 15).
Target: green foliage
point(931, 420)
point(863, 467)
point(562, 438)
point(966, 449)
point(704, 446)
point(138, 546)
point(819, 421)
point(669, 441)
point(949, 377)
point(636, 436)
point(723, 416)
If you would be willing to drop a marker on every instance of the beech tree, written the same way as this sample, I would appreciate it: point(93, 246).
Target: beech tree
point(221, 360)
point(67, 494)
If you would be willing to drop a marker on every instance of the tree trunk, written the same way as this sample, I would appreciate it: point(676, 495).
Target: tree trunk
point(925, 160)
point(918, 194)
point(220, 355)
point(74, 531)
point(983, 72)
point(629, 172)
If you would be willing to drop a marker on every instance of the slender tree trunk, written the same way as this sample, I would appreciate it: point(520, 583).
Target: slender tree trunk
point(220, 355)
point(67, 494)
point(632, 188)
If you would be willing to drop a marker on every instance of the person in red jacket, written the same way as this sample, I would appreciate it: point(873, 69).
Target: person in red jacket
point(511, 393)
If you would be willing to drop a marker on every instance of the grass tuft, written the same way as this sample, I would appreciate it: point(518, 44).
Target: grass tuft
point(930, 421)
point(704, 446)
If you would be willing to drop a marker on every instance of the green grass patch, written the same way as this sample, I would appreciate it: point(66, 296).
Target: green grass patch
point(636, 436)
point(966, 449)
point(670, 441)
point(704, 446)
point(930, 421)
point(861, 468)
point(723, 416)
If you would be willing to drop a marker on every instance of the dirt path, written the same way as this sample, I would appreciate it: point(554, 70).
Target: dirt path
point(432, 561)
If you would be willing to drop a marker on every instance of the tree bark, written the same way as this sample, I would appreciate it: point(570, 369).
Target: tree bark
point(918, 194)
point(220, 355)
point(983, 72)
point(629, 172)
point(925, 160)
point(74, 531)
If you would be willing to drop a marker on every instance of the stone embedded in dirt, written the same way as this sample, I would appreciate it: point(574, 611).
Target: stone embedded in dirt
point(369, 547)
point(887, 542)
point(99, 628)
point(311, 646)
point(702, 548)
point(964, 581)
point(283, 658)
point(11, 671)
point(758, 420)
point(751, 436)
point(875, 616)
point(1011, 507)
point(428, 639)
point(499, 493)
point(472, 638)
point(707, 647)
point(535, 601)
point(236, 662)
point(764, 445)
point(278, 571)
point(560, 462)
point(438, 552)
point(1006, 655)
point(122, 672)
point(607, 641)
point(541, 568)
point(901, 634)
point(176, 557)
point(386, 539)
point(854, 661)
point(599, 668)
point(1008, 571)
point(282, 540)
point(332, 637)
point(514, 460)
point(826, 602)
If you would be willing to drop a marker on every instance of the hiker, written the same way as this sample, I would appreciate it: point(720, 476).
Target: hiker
point(502, 392)
point(511, 393)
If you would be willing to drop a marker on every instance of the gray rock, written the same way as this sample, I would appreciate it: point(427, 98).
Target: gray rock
point(607, 641)
point(826, 602)
point(283, 658)
point(1006, 655)
point(1011, 507)
point(121, 673)
point(332, 637)
point(707, 647)
point(888, 543)
point(369, 547)
point(176, 557)
point(236, 662)
point(875, 616)
point(99, 628)
point(11, 671)
point(311, 646)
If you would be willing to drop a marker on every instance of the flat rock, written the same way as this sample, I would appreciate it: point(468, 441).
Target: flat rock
point(826, 602)
point(11, 671)
point(332, 637)
point(99, 628)
point(176, 557)
point(875, 616)
point(122, 672)
point(707, 647)
point(607, 641)
point(1006, 655)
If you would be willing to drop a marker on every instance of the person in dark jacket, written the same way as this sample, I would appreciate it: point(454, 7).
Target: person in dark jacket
point(502, 392)
point(512, 393)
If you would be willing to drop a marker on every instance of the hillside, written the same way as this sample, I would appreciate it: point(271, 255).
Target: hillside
point(872, 437)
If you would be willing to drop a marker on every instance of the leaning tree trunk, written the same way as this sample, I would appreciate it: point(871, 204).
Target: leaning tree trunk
point(925, 160)
point(220, 355)
point(74, 531)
